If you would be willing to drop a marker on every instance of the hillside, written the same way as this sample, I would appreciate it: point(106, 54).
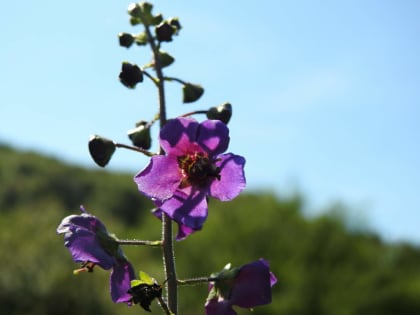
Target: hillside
point(323, 269)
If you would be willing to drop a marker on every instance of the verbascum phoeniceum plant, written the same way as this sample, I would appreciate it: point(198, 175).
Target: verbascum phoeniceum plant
point(192, 165)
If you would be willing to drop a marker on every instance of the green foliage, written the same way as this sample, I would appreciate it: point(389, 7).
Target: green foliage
point(322, 267)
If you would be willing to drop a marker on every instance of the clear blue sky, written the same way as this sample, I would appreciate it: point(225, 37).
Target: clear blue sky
point(326, 94)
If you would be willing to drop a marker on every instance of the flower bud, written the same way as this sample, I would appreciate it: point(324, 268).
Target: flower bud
point(140, 136)
point(164, 32)
point(191, 92)
point(141, 13)
point(101, 149)
point(130, 75)
point(222, 112)
point(125, 39)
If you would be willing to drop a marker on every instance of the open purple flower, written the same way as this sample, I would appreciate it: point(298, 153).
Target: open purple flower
point(90, 243)
point(246, 286)
point(193, 168)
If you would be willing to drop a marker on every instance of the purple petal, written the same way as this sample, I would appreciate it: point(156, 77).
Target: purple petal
point(84, 220)
point(214, 307)
point(160, 178)
point(184, 231)
point(252, 285)
point(273, 279)
point(80, 238)
point(120, 282)
point(187, 207)
point(178, 136)
point(232, 178)
point(213, 137)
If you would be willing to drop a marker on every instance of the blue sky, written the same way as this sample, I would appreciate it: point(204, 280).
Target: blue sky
point(326, 94)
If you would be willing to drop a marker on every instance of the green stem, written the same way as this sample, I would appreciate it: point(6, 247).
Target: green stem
point(137, 149)
point(196, 280)
point(139, 242)
point(167, 237)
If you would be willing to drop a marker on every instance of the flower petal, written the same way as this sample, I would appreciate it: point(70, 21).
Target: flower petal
point(232, 178)
point(215, 307)
point(84, 246)
point(252, 286)
point(178, 136)
point(187, 207)
point(80, 237)
point(213, 137)
point(120, 279)
point(84, 220)
point(160, 178)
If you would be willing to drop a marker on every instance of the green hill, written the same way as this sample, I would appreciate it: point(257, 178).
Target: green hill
point(322, 267)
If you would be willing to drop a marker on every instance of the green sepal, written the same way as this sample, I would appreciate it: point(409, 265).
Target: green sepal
point(191, 92)
point(144, 278)
point(174, 22)
point(109, 244)
point(165, 59)
point(141, 38)
point(223, 285)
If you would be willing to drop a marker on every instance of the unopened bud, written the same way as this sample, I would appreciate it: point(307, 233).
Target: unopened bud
point(130, 75)
point(101, 149)
point(125, 39)
point(191, 92)
point(140, 136)
point(222, 112)
point(164, 32)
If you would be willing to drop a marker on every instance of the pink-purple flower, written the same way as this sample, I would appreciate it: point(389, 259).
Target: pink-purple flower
point(89, 243)
point(194, 167)
point(246, 286)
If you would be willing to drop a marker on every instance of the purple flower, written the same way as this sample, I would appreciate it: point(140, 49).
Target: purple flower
point(90, 243)
point(246, 286)
point(193, 168)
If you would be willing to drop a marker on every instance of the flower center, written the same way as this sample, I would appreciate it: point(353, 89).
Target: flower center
point(197, 169)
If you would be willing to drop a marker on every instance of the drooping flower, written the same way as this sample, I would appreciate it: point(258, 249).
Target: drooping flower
point(89, 243)
point(193, 168)
point(246, 286)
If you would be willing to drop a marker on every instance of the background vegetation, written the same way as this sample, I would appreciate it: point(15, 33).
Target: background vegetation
point(322, 267)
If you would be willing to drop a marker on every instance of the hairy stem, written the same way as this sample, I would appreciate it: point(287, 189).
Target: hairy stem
point(137, 149)
point(167, 238)
point(140, 242)
point(196, 280)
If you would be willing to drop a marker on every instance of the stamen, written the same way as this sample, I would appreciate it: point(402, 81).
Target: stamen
point(86, 267)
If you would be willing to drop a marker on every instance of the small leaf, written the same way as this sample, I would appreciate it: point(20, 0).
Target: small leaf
point(191, 92)
point(145, 278)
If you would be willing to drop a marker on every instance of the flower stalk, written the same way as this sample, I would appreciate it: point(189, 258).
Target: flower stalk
point(140, 242)
point(167, 238)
